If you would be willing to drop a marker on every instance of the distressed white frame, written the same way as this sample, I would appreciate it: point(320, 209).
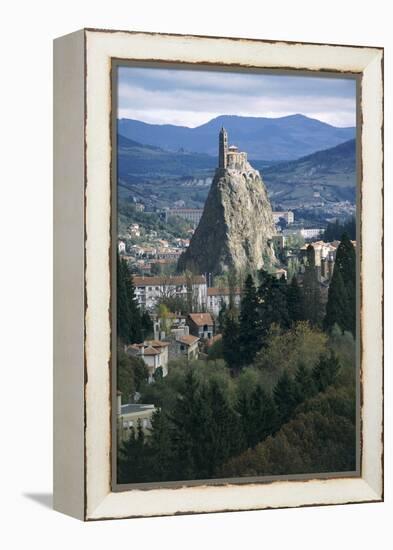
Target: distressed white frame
point(95, 500)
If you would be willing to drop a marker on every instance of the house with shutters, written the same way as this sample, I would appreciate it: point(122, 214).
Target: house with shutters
point(201, 325)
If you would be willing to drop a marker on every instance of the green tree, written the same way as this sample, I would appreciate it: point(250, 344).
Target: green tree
point(320, 438)
point(325, 371)
point(160, 446)
point(221, 315)
point(190, 417)
point(304, 381)
point(147, 329)
point(164, 316)
point(158, 374)
point(230, 341)
point(285, 397)
point(216, 350)
point(295, 302)
point(341, 305)
point(272, 303)
point(249, 323)
point(258, 416)
point(223, 431)
point(311, 291)
point(131, 374)
point(335, 230)
point(132, 462)
point(285, 349)
point(129, 322)
point(337, 306)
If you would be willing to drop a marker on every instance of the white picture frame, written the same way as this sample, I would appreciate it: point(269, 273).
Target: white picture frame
point(82, 291)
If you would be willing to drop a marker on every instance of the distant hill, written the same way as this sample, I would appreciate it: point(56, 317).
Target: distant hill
point(329, 175)
point(284, 138)
point(138, 162)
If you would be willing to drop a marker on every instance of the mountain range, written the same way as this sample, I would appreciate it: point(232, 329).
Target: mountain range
point(269, 139)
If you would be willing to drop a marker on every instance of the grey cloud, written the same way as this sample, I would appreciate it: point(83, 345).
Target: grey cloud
point(186, 97)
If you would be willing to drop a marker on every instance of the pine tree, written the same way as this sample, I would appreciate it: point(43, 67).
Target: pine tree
point(337, 306)
point(285, 397)
point(123, 327)
point(346, 264)
point(160, 445)
point(272, 303)
point(295, 301)
point(147, 328)
point(133, 461)
point(311, 290)
point(221, 315)
point(263, 419)
point(182, 418)
point(135, 323)
point(325, 371)
point(341, 305)
point(191, 419)
point(305, 385)
point(230, 341)
point(244, 409)
point(223, 431)
point(249, 329)
point(129, 322)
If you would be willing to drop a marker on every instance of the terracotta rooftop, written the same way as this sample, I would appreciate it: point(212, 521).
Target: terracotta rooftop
point(157, 343)
point(151, 351)
point(189, 339)
point(201, 319)
point(150, 347)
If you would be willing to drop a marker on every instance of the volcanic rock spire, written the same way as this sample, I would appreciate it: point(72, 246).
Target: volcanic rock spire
point(237, 225)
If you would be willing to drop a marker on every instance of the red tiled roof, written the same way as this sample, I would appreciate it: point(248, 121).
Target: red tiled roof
point(151, 351)
point(188, 339)
point(157, 343)
point(201, 319)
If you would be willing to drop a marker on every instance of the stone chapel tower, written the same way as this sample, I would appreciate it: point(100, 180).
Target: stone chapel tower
point(223, 148)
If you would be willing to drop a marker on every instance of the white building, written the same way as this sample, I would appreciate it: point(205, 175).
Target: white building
point(311, 233)
point(149, 290)
point(154, 353)
point(185, 346)
point(217, 296)
point(130, 415)
point(134, 230)
point(288, 216)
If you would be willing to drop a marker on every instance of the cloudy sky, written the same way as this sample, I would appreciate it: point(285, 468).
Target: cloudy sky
point(190, 98)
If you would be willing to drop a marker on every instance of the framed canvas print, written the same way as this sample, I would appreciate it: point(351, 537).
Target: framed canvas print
point(218, 274)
